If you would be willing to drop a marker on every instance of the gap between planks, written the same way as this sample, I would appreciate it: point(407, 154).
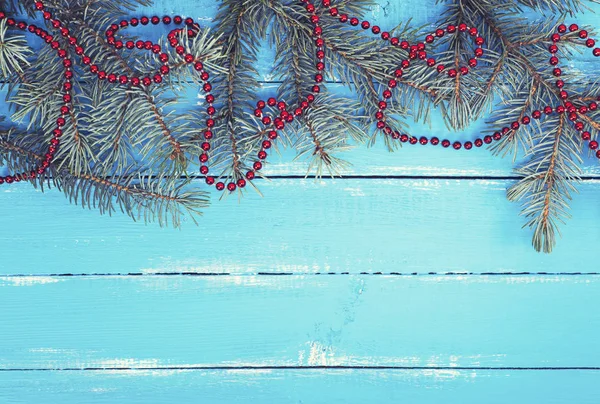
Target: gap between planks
point(208, 274)
point(376, 177)
point(308, 368)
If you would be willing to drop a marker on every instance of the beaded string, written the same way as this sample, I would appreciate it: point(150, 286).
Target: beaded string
point(275, 123)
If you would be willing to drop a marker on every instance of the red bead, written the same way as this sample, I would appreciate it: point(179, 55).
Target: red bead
point(478, 142)
point(536, 114)
point(220, 186)
point(573, 27)
point(204, 170)
point(553, 48)
point(250, 175)
point(555, 37)
point(457, 145)
point(452, 73)
point(562, 28)
point(257, 165)
point(413, 140)
point(590, 43)
point(593, 145)
point(435, 141)
point(596, 52)
point(557, 72)
point(487, 139)
point(445, 143)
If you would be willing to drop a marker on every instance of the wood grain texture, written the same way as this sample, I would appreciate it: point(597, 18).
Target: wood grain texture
point(298, 386)
point(429, 321)
point(425, 338)
point(302, 226)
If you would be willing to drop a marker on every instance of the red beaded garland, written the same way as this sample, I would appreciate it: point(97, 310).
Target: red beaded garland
point(416, 52)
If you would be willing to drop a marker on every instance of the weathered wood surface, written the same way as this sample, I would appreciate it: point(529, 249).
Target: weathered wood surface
point(353, 320)
point(300, 386)
point(204, 318)
point(302, 226)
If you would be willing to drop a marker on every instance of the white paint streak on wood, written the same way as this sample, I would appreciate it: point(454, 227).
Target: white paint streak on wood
point(27, 280)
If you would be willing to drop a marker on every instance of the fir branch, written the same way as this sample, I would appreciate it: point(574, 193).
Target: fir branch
point(138, 196)
point(546, 186)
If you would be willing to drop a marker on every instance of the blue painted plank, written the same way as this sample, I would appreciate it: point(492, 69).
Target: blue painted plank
point(316, 386)
point(301, 226)
point(183, 321)
point(408, 160)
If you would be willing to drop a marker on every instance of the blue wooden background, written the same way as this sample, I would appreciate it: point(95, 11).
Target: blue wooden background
point(419, 287)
